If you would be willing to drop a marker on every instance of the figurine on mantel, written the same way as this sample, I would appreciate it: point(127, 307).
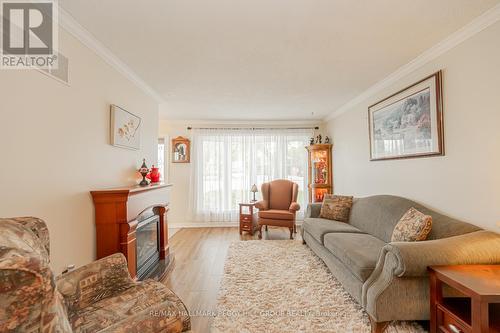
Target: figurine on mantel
point(144, 172)
point(318, 139)
point(327, 140)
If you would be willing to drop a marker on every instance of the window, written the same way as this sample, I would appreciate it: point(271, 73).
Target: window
point(161, 158)
point(227, 162)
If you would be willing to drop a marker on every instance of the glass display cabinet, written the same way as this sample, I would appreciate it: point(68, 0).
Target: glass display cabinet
point(320, 171)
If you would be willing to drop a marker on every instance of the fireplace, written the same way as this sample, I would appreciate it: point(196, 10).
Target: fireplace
point(133, 221)
point(148, 246)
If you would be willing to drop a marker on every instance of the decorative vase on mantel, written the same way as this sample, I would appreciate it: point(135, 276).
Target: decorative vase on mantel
point(144, 172)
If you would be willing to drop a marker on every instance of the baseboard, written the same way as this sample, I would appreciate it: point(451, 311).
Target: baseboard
point(178, 225)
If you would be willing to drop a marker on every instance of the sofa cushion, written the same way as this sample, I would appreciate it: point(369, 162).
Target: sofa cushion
point(413, 226)
point(358, 252)
point(136, 309)
point(336, 207)
point(276, 214)
point(318, 227)
point(378, 215)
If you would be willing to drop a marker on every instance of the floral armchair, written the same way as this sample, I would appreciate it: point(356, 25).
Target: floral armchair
point(98, 297)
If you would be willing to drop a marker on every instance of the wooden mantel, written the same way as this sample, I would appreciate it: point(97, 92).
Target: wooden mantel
point(117, 213)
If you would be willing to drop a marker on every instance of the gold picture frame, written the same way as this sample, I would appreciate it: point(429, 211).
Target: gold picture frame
point(409, 123)
point(181, 150)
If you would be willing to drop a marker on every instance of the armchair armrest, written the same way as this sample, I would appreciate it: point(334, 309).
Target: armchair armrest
point(413, 258)
point(90, 283)
point(313, 210)
point(38, 227)
point(294, 206)
point(262, 205)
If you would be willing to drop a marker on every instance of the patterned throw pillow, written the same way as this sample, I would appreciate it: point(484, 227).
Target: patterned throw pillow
point(413, 226)
point(336, 207)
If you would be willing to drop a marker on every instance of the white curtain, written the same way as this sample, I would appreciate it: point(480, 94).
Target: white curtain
point(227, 162)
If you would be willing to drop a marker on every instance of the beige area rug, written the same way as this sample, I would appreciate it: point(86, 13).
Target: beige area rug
point(282, 286)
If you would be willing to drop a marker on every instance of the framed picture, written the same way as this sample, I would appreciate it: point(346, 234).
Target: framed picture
point(408, 123)
point(181, 150)
point(125, 129)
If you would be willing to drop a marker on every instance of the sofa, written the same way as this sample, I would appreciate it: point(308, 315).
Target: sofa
point(98, 297)
point(390, 279)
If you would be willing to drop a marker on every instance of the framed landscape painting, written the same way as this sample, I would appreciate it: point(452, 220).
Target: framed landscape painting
point(125, 128)
point(408, 123)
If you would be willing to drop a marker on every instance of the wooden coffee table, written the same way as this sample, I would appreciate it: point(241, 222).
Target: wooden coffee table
point(478, 310)
point(248, 218)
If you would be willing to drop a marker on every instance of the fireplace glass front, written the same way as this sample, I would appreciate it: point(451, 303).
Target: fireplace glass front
point(148, 254)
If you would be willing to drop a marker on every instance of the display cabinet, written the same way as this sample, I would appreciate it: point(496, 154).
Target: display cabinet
point(320, 171)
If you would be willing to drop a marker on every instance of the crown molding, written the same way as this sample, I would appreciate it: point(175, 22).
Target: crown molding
point(477, 25)
point(69, 24)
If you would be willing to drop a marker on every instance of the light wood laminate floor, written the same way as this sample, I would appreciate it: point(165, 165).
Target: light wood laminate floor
point(200, 254)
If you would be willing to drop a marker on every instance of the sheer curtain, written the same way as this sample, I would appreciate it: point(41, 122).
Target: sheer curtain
point(227, 162)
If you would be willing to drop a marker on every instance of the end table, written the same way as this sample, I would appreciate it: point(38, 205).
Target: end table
point(478, 308)
point(248, 218)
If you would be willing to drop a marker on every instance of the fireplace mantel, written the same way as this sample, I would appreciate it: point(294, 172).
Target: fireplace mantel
point(117, 214)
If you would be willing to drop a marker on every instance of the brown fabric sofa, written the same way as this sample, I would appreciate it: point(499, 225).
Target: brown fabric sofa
point(390, 280)
point(99, 297)
point(279, 205)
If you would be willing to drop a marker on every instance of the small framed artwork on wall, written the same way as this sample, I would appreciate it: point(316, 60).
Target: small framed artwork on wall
point(181, 150)
point(408, 123)
point(125, 129)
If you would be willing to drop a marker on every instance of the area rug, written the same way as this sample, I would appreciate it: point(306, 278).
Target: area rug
point(282, 286)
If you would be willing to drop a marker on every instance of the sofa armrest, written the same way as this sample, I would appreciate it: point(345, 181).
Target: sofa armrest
point(313, 210)
point(294, 206)
point(98, 280)
point(409, 261)
point(262, 205)
point(413, 258)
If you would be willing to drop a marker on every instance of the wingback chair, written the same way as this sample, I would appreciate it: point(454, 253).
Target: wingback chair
point(279, 205)
point(98, 297)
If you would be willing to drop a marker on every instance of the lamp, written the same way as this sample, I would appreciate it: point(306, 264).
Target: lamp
point(254, 190)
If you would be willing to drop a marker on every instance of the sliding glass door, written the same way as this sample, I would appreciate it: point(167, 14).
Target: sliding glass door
point(227, 162)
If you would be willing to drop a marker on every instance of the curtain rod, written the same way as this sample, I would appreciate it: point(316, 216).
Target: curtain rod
point(253, 128)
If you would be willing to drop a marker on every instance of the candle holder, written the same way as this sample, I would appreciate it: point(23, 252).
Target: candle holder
point(144, 172)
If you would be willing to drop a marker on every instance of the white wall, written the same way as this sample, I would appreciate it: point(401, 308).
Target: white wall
point(54, 146)
point(465, 183)
point(180, 173)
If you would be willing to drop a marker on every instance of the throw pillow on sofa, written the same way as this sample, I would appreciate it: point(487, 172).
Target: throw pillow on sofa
point(336, 207)
point(413, 226)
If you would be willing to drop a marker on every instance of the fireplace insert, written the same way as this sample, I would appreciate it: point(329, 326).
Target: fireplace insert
point(148, 246)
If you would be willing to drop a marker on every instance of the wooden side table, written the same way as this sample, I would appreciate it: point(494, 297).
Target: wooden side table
point(248, 219)
point(478, 310)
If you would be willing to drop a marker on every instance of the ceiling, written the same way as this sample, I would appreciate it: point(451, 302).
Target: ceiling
point(267, 59)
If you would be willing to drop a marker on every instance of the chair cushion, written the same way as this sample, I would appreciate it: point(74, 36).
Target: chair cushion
point(28, 298)
point(276, 214)
point(136, 309)
point(280, 194)
point(336, 207)
point(318, 227)
point(412, 227)
point(358, 252)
